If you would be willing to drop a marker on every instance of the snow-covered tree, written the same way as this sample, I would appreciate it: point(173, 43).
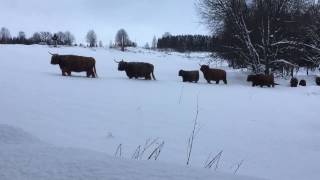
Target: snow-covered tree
point(258, 35)
point(154, 43)
point(91, 38)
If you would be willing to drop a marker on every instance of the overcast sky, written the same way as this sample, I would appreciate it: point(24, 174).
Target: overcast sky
point(141, 18)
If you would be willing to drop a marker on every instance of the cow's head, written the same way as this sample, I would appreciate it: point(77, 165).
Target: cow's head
point(122, 65)
point(250, 78)
point(181, 73)
point(55, 59)
point(204, 68)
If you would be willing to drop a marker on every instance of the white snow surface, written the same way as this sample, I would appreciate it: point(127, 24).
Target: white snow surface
point(23, 157)
point(77, 123)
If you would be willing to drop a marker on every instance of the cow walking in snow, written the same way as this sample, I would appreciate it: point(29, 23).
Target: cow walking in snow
point(137, 69)
point(189, 76)
point(262, 80)
point(216, 75)
point(72, 63)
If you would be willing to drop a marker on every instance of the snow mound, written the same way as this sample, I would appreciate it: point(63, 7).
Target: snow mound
point(12, 135)
point(40, 161)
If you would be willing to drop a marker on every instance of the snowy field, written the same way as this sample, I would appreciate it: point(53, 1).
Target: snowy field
point(78, 121)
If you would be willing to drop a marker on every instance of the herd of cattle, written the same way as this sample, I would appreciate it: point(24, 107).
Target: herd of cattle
point(72, 63)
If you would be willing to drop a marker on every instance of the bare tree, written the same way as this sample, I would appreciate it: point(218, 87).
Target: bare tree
point(5, 35)
point(154, 43)
point(122, 39)
point(36, 37)
point(100, 44)
point(22, 36)
point(91, 38)
point(254, 34)
point(68, 38)
point(45, 37)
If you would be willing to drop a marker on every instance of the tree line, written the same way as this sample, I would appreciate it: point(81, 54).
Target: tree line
point(43, 37)
point(265, 36)
point(184, 43)
point(122, 39)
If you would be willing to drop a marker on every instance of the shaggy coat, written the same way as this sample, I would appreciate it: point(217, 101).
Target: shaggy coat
point(318, 81)
point(303, 82)
point(137, 69)
point(216, 75)
point(71, 63)
point(261, 80)
point(294, 82)
point(189, 76)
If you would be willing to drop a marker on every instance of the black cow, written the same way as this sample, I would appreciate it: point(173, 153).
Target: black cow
point(189, 76)
point(72, 63)
point(137, 69)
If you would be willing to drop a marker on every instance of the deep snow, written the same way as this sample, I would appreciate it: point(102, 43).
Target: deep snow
point(275, 131)
point(24, 157)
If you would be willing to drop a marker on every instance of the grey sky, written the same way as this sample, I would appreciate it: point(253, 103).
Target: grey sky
point(141, 18)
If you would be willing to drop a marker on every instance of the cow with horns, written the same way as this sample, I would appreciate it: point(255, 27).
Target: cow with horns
point(72, 63)
point(216, 75)
point(137, 69)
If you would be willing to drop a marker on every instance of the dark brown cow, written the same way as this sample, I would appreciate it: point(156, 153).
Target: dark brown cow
point(214, 74)
point(72, 63)
point(137, 69)
point(294, 82)
point(261, 80)
point(318, 81)
point(189, 76)
point(303, 82)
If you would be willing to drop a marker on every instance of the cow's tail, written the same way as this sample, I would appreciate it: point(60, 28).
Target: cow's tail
point(95, 71)
point(154, 78)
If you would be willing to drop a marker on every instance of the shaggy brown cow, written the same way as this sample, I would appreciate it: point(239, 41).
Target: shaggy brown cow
point(261, 80)
point(303, 82)
point(214, 74)
point(294, 82)
point(189, 76)
point(71, 63)
point(318, 81)
point(137, 69)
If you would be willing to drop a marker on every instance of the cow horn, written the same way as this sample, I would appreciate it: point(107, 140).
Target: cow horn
point(50, 53)
point(200, 65)
point(116, 61)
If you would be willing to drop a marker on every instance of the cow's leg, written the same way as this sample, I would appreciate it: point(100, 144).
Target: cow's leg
point(63, 72)
point(209, 81)
point(217, 82)
point(93, 74)
point(88, 74)
point(225, 81)
point(69, 73)
point(148, 77)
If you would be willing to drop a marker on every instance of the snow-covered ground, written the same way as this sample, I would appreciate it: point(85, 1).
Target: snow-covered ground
point(275, 132)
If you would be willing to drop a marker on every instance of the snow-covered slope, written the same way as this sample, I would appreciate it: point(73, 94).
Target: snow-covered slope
point(274, 131)
point(22, 157)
